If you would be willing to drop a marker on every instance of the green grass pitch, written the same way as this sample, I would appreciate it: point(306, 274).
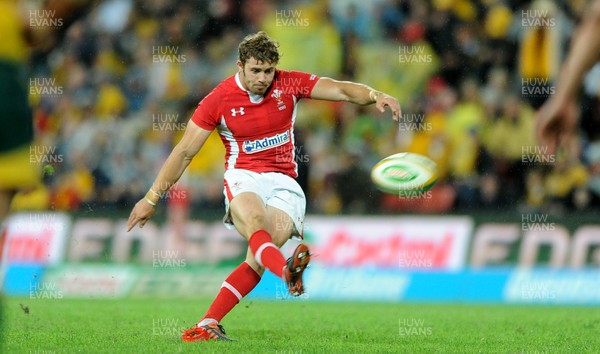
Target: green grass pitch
point(154, 326)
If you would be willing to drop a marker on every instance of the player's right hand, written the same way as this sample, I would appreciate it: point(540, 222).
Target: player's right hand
point(141, 213)
point(384, 100)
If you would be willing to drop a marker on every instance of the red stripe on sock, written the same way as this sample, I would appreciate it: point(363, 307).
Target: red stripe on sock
point(243, 279)
point(271, 257)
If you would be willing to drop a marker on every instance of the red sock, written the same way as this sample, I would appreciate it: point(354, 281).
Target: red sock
point(237, 285)
point(266, 253)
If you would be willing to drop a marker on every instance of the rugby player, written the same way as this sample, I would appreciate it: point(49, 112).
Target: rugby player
point(254, 112)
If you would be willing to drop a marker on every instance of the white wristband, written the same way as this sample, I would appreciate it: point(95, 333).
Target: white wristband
point(373, 95)
point(149, 201)
point(155, 193)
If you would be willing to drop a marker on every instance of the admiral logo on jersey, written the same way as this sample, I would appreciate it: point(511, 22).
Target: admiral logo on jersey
point(253, 146)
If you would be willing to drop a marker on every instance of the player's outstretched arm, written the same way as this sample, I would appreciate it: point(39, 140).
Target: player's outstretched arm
point(333, 90)
point(179, 159)
point(557, 118)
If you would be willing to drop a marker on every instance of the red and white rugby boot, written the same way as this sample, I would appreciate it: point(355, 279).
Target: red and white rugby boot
point(211, 331)
point(296, 265)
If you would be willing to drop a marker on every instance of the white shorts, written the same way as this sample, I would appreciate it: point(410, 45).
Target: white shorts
point(275, 189)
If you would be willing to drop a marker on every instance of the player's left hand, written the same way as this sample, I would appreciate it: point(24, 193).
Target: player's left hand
point(384, 100)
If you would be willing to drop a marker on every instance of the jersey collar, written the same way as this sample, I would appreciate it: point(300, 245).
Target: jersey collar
point(253, 98)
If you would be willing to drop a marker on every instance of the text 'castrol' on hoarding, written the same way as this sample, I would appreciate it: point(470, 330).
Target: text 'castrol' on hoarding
point(404, 242)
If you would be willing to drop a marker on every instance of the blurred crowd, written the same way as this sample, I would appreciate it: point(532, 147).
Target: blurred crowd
point(115, 93)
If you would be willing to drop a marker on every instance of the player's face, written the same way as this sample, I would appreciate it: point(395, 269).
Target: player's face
point(256, 76)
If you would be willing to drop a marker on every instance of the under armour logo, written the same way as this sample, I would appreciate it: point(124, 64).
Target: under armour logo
point(240, 111)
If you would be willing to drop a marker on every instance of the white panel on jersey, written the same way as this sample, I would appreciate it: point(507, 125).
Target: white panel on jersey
point(235, 150)
point(293, 137)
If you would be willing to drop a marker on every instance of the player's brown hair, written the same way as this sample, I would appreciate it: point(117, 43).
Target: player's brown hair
point(260, 47)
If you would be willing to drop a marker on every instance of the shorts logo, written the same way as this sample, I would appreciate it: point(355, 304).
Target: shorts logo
point(240, 111)
point(254, 146)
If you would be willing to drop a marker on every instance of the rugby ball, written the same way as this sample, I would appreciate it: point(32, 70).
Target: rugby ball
point(405, 173)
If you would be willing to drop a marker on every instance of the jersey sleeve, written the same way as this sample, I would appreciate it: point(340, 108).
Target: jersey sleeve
point(206, 115)
point(303, 82)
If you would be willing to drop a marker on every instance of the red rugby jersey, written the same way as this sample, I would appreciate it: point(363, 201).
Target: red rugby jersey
point(258, 131)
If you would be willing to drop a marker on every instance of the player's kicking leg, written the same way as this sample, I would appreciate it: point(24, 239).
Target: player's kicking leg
point(278, 226)
point(267, 228)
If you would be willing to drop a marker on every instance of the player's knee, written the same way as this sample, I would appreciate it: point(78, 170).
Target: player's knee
point(280, 237)
point(281, 231)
